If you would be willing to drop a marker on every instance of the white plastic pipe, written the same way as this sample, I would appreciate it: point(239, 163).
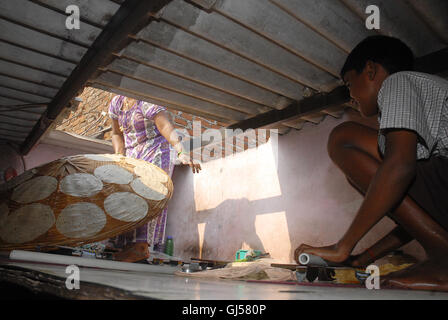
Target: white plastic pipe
point(309, 259)
point(30, 256)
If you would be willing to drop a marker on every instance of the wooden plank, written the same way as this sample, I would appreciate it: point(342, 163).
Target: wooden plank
point(336, 111)
point(296, 110)
point(314, 118)
point(296, 124)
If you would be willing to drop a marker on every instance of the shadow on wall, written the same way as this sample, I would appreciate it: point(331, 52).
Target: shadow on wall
point(239, 229)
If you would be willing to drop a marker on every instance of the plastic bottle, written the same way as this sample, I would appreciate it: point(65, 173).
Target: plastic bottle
point(169, 246)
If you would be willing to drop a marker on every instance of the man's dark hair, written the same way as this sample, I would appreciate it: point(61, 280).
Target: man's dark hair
point(391, 53)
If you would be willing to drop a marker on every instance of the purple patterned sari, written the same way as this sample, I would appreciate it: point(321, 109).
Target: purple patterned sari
point(143, 141)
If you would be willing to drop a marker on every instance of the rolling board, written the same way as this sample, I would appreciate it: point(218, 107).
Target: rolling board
point(107, 253)
point(324, 274)
point(204, 263)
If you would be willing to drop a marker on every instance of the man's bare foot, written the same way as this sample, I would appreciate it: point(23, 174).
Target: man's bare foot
point(137, 252)
point(333, 253)
point(429, 275)
point(356, 261)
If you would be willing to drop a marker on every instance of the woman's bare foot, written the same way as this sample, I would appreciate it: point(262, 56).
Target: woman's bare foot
point(136, 252)
point(431, 275)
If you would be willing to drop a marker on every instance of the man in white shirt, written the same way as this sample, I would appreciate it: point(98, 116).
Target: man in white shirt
point(402, 169)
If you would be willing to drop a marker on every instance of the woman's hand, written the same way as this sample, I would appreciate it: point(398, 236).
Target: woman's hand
point(168, 131)
point(333, 253)
point(117, 138)
point(185, 159)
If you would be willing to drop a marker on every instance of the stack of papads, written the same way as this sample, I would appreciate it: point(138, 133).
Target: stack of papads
point(80, 199)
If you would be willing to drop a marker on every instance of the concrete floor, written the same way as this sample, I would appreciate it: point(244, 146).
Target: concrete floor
point(160, 283)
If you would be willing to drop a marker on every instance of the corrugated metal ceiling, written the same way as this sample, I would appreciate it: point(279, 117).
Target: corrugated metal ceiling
point(227, 60)
point(37, 55)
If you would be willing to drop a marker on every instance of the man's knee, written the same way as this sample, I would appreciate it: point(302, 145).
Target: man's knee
point(340, 137)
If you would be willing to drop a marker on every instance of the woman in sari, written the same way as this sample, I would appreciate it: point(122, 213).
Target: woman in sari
point(142, 130)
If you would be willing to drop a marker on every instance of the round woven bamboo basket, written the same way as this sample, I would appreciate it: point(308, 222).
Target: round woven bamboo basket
point(80, 199)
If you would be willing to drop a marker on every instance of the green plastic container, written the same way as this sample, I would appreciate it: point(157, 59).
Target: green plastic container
point(169, 246)
point(241, 254)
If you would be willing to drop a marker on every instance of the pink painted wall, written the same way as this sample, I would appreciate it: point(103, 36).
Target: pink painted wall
point(40, 154)
point(44, 153)
point(250, 201)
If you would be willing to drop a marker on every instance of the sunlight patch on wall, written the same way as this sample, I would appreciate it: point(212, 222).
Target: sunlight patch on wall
point(201, 231)
point(252, 174)
point(272, 229)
